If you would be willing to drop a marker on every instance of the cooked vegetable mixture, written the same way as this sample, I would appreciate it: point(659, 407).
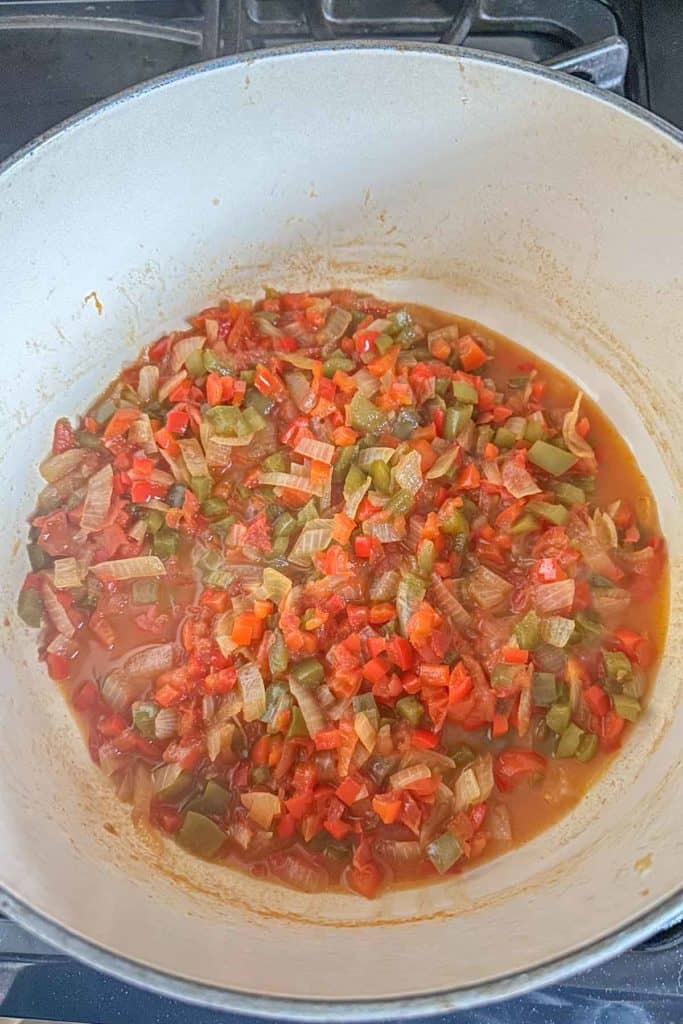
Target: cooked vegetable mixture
point(344, 592)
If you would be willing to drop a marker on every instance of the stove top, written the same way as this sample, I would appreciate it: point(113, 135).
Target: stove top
point(59, 56)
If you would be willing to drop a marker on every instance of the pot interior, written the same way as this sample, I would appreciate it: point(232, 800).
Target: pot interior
point(538, 208)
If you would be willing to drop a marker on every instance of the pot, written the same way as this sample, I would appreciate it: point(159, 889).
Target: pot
point(481, 185)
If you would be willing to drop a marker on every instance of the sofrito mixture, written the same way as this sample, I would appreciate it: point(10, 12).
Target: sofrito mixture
point(344, 592)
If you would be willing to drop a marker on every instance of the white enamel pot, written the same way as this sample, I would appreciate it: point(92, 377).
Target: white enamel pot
point(481, 185)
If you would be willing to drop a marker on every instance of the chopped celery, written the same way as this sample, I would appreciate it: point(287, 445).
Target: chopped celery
point(30, 607)
point(589, 626)
point(200, 835)
point(383, 343)
point(201, 487)
point(278, 462)
point(224, 419)
point(405, 424)
point(165, 543)
point(310, 672)
point(588, 745)
point(337, 361)
point(450, 423)
point(252, 421)
point(355, 478)
point(255, 400)
point(441, 386)
point(551, 458)
point(381, 476)
point(365, 416)
point(212, 363)
point(525, 524)
point(569, 494)
point(345, 457)
point(569, 741)
point(617, 665)
point(533, 431)
point(308, 512)
point(104, 412)
point(504, 438)
point(456, 523)
point(194, 364)
point(410, 709)
point(297, 726)
point(558, 717)
point(401, 503)
point(145, 591)
point(556, 514)
point(627, 707)
point(214, 508)
point(464, 416)
point(465, 393)
point(144, 713)
point(38, 557)
point(284, 525)
point(544, 689)
point(171, 783)
point(154, 519)
point(214, 800)
point(248, 375)
point(175, 497)
point(527, 631)
point(444, 852)
point(425, 557)
point(366, 703)
point(502, 675)
point(87, 440)
point(462, 754)
point(218, 578)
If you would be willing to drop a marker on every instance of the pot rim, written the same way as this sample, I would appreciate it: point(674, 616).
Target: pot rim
point(665, 913)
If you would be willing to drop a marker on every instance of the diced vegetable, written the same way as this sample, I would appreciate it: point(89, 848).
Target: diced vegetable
point(550, 458)
point(200, 835)
point(444, 852)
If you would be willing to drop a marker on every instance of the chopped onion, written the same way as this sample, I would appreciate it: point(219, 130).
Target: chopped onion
point(448, 333)
point(262, 807)
point(297, 359)
point(119, 691)
point(448, 604)
point(252, 691)
point(483, 769)
point(143, 791)
point(611, 602)
point(56, 612)
point(292, 482)
point(141, 433)
point(335, 326)
point(97, 500)
point(148, 382)
point(374, 454)
point(516, 425)
point(294, 870)
point(404, 778)
point(193, 457)
point(301, 391)
point(366, 383)
point(177, 467)
point(68, 573)
point(557, 630)
point(409, 594)
point(208, 707)
point(498, 824)
point(576, 444)
point(62, 645)
point(466, 789)
point(443, 463)
point(386, 533)
point(524, 709)
point(492, 471)
point(183, 348)
point(219, 739)
point(517, 480)
point(171, 384)
point(310, 709)
point(604, 530)
point(487, 588)
point(130, 568)
point(219, 450)
point(384, 586)
point(276, 584)
point(149, 661)
point(57, 466)
point(407, 473)
point(166, 723)
point(365, 730)
point(554, 597)
point(353, 501)
point(315, 536)
point(399, 853)
point(318, 450)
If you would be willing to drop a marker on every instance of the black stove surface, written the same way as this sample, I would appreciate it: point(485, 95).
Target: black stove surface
point(59, 56)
